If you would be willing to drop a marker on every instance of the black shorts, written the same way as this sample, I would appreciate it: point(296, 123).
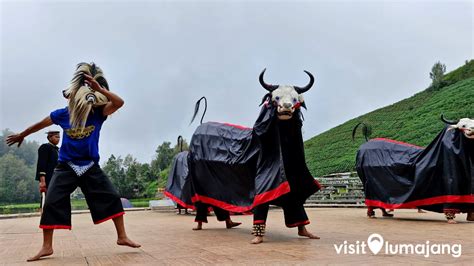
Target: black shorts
point(102, 198)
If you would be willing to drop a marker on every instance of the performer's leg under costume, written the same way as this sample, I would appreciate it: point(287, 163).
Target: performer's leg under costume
point(202, 210)
point(295, 215)
point(260, 214)
point(103, 200)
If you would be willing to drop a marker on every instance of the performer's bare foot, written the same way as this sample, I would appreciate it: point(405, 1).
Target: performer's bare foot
point(470, 216)
point(44, 251)
point(127, 242)
point(229, 224)
point(257, 240)
point(303, 232)
point(452, 221)
point(198, 226)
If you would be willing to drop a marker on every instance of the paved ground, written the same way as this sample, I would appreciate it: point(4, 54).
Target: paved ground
point(167, 238)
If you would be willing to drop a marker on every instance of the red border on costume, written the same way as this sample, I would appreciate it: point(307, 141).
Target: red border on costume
point(298, 224)
point(259, 222)
point(177, 200)
point(283, 188)
point(234, 125)
point(110, 217)
point(267, 196)
point(220, 204)
point(398, 142)
point(55, 227)
point(317, 183)
point(422, 202)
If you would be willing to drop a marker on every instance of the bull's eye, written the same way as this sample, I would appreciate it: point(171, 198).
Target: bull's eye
point(295, 100)
point(463, 126)
point(277, 98)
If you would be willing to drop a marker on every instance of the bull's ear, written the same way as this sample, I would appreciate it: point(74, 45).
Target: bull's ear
point(266, 97)
point(301, 100)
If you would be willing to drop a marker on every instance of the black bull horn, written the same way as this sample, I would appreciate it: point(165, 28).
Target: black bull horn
point(300, 90)
point(449, 122)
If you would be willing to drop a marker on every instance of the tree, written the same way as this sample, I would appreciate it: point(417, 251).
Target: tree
point(164, 156)
point(130, 177)
point(17, 180)
point(28, 151)
point(160, 166)
point(437, 74)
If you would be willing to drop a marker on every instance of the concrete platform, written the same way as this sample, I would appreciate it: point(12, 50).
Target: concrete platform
point(167, 238)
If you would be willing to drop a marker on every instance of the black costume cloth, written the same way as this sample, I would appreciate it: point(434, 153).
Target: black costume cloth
point(237, 168)
point(437, 178)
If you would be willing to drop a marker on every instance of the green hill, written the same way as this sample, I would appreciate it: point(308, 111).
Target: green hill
point(414, 120)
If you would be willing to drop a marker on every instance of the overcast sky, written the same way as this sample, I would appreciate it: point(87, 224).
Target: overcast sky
point(161, 56)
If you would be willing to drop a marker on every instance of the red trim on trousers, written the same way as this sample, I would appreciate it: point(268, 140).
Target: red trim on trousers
point(422, 202)
point(298, 224)
point(177, 200)
point(110, 217)
point(259, 222)
point(55, 227)
point(397, 142)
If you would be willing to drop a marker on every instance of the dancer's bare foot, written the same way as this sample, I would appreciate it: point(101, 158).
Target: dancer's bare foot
point(44, 251)
point(452, 221)
point(303, 232)
point(127, 242)
point(229, 224)
point(470, 216)
point(198, 226)
point(257, 240)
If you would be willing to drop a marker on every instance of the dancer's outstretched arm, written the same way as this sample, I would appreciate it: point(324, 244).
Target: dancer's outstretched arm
point(18, 138)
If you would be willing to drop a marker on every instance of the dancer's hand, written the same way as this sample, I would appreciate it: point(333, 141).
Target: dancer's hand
point(93, 84)
point(15, 138)
point(42, 187)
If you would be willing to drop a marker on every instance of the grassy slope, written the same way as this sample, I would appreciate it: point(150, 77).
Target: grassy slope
point(414, 120)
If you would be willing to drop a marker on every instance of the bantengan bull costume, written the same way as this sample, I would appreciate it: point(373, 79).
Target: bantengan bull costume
point(238, 169)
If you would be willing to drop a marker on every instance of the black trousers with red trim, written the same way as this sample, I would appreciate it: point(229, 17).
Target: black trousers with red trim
point(102, 198)
point(202, 211)
point(294, 213)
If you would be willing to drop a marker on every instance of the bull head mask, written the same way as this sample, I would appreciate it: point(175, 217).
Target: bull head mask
point(81, 97)
point(286, 98)
point(466, 125)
